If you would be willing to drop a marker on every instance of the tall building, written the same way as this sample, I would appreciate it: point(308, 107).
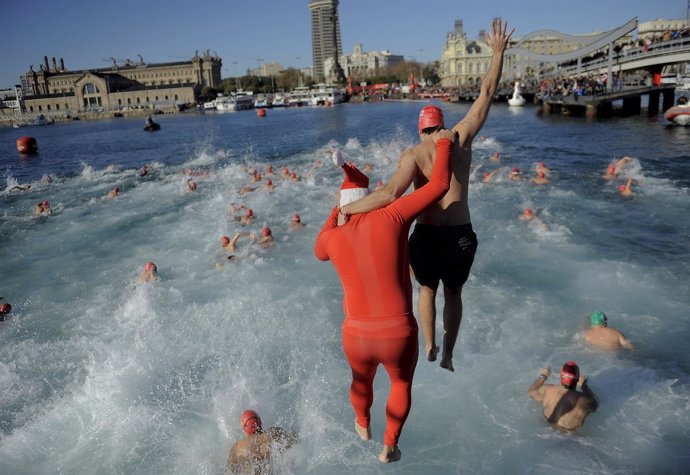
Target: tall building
point(325, 42)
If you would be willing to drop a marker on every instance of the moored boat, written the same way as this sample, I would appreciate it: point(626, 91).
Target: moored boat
point(679, 114)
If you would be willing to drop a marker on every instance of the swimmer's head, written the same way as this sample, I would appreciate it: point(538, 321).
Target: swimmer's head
point(269, 168)
point(249, 213)
point(541, 175)
point(45, 203)
point(430, 117)
point(225, 241)
point(528, 212)
point(258, 176)
point(516, 171)
point(250, 422)
point(621, 187)
point(266, 231)
point(269, 182)
point(487, 174)
point(598, 319)
point(570, 373)
point(355, 185)
point(192, 185)
point(293, 175)
point(296, 219)
point(611, 170)
point(116, 190)
point(150, 267)
point(541, 164)
point(5, 308)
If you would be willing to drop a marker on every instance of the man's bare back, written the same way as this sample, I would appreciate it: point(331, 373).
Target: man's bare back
point(607, 339)
point(252, 455)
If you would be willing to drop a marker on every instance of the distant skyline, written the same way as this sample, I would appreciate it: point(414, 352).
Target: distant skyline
point(87, 33)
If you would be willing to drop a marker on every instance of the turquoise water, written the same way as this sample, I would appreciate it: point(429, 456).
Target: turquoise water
point(99, 374)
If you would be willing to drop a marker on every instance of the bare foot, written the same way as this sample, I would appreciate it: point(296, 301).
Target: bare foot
point(390, 453)
point(432, 353)
point(447, 363)
point(364, 433)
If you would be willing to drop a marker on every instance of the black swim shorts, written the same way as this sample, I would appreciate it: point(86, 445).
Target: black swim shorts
point(443, 253)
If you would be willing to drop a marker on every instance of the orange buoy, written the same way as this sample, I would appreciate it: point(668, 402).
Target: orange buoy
point(27, 145)
point(261, 112)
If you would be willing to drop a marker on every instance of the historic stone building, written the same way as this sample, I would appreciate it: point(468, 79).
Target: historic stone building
point(463, 61)
point(56, 90)
point(359, 64)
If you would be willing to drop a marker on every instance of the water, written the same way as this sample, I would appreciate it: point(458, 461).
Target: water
point(101, 375)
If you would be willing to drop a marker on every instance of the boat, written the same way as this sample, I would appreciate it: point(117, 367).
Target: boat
point(150, 125)
point(326, 94)
point(517, 99)
point(263, 101)
point(680, 113)
point(42, 120)
point(300, 96)
point(238, 101)
point(281, 100)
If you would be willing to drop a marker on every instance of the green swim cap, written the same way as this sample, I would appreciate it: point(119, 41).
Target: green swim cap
point(598, 319)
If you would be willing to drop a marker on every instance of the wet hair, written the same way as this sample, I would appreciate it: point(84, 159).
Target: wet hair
point(431, 130)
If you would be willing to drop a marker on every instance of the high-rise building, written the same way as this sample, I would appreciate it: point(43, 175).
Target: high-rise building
point(325, 42)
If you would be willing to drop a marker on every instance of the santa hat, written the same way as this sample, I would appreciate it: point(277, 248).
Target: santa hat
point(355, 186)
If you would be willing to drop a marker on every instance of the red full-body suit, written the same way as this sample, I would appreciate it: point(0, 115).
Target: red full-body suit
point(369, 253)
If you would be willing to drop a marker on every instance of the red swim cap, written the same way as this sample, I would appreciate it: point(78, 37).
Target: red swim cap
point(45, 203)
point(516, 170)
point(249, 213)
point(269, 182)
point(528, 211)
point(611, 170)
point(5, 309)
point(250, 422)
point(570, 373)
point(192, 185)
point(541, 164)
point(150, 266)
point(116, 189)
point(225, 240)
point(293, 175)
point(295, 218)
point(266, 231)
point(621, 187)
point(258, 177)
point(430, 116)
point(486, 174)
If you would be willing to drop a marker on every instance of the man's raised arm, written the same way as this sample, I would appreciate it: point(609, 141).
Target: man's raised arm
point(470, 125)
point(403, 176)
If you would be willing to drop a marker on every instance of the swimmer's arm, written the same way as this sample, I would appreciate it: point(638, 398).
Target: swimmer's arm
point(407, 167)
point(625, 343)
point(238, 460)
point(321, 245)
point(537, 390)
point(472, 123)
point(592, 402)
point(409, 206)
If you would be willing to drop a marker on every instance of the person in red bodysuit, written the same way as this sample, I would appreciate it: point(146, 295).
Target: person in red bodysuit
point(369, 253)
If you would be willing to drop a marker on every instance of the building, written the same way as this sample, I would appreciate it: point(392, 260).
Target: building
point(267, 69)
point(56, 90)
point(325, 34)
point(463, 61)
point(360, 64)
point(652, 28)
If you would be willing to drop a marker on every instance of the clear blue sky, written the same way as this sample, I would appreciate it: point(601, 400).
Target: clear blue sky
point(88, 32)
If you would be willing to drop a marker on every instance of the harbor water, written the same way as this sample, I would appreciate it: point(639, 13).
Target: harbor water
point(101, 374)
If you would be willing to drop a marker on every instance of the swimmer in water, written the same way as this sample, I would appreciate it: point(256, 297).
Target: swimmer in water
point(296, 223)
point(527, 215)
point(285, 172)
point(191, 185)
point(234, 208)
point(269, 187)
point(43, 208)
point(20, 188)
point(230, 246)
point(488, 176)
point(623, 163)
point(515, 175)
point(114, 193)
point(150, 273)
point(246, 189)
point(248, 217)
point(626, 190)
point(5, 310)
point(374, 334)
point(255, 178)
point(605, 338)
point(269, 170)
point(46, 179)
point(495, 157)
point(144, 171)
point(367, 167)
point(266, 239)
point(379, 185)
point(294, 177)
point(543, 168)
point(541, 179)
point(564, 405)
point(254, 454)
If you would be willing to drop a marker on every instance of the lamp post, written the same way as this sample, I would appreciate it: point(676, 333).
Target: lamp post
point(421, 50)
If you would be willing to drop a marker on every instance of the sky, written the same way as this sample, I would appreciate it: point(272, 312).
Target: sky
point(246, 33)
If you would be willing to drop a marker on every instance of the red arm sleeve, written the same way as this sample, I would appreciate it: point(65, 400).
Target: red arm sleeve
point(409, 206)
point(321, 246)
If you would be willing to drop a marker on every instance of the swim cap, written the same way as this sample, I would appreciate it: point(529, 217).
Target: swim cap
point(150, 266)
point(598, 319)
point(295, 219)
point(516, 171)
point(225, 240)
point(45, 203)
point(486, 174)
point(293, 175)
point(430, 116)
point(269, 182)
point(528, 211)
point(5, 309)
point(570, 373)
point(250, 422)
point(266, 231)
point(116, 189)
point(621, 187)
point(249, 213)
point(611, 170)
point(541, 164)
point(192, 185)
point(258, 177)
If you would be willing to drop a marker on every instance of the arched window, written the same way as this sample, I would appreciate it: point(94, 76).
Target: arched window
point(48, 107)
point(129, 101)
point(138, 101)
point(119, 102)
point(175, 96)
point(156, 97)
point(40, 108)
point(90, 89)
point(57, 107)
point(31, 108)
point(166, 97)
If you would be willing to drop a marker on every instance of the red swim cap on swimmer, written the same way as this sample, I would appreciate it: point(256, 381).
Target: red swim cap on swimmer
point(611, 170)
point(570, 373)
point(45, 203)
point(295, 218)
point(116, 189)
point(269, 182)
point(516, 171)
point(249, 213)
point(621, 187)
point(258, 177)
point(150, 266)
point(266, 231)
point(541, 164)
point(430, 116)
point(293, 175)
point(250, 422)
point(528, 211)
point(225, 240)
point(192, 185)
point(5, 309)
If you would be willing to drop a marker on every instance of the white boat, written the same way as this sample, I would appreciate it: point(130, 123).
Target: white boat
point(517, 99)
point(679, 114)
point(300, 96)
point(238, 101)
point(324, 94)
point(263, 101)
point(281, 99)
point(211, 106)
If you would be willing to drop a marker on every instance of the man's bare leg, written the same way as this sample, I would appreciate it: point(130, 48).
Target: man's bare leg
point(390, 453)
point(427, 317)
point(362, 432)
point(452, 315)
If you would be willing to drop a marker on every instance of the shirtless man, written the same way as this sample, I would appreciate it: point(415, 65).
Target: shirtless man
point(527, 215)
point(191, 185)
point(150, 273)
point(43, 208)
point(266, 239)
point(610, 173)
point(515, 175)
point(626, 190)
point(605, 338)
point(541, 179)
point(114, 193)
point(252, 454)
point(443, 244)
point(488, 176)
point(495, 157)
point(296, 223)
point(248, 217)
point(543, 168)
point(269, 187)
point(564, 405)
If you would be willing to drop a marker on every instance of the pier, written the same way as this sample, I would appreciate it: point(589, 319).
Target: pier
point(601, 105)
